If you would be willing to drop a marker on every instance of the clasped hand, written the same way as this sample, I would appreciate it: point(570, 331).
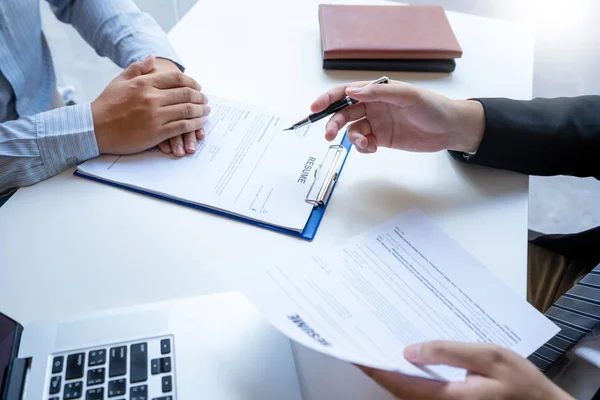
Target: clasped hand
point(144, 107)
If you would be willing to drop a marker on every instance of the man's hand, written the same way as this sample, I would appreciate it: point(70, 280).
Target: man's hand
point(403, 116)
point(494, 373)
point(187, 141)
point(138, 110)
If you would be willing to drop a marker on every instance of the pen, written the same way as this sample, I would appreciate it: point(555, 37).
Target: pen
point(333, 108)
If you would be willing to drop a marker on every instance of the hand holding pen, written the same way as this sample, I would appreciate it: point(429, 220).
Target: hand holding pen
point(402, 116)
point(333, 108)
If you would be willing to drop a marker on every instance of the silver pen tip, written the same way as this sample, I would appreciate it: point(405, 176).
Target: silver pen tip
point(298, 124)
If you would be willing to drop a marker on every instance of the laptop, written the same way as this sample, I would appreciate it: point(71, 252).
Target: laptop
point(210, 347)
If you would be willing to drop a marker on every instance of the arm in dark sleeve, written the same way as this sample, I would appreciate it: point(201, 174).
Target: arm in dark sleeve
point(541, 137)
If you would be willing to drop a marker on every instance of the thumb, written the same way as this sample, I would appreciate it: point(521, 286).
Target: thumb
point(137, 68)
point(400, 93)
point(479, 358)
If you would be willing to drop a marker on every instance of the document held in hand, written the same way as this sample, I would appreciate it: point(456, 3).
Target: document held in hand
point(246, 167)
point(403, 282)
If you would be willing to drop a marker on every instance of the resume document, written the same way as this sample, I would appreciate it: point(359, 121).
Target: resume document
point(403, 282)
point(246, 166)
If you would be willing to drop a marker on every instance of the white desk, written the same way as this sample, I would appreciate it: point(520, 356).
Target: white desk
point(71, 245)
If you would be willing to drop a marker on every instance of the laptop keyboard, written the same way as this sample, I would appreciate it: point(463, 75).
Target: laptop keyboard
point(137, 370)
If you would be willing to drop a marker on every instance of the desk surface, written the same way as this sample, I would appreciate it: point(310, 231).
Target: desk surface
point(71, 245)
point(73, 235)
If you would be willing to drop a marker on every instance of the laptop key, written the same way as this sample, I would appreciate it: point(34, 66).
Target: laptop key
point(165, 364)
point(155, 366)
point(95, 394)
point(57, 364)
point(138, 392)
point(163, 398)
point(75, 366)
point(167, 384)
point(165, 346)
point(97, 357)
point(118, 361)
point(73, 390)
point(95, 376)
point(138, 363)
point(116, 387)
point(55, 385)
point(54, 398)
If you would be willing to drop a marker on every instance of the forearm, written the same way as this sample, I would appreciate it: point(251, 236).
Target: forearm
point(116, 29)
point(541, 136)
point(38, 147)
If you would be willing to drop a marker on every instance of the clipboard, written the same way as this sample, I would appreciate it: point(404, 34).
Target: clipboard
point(326, 176)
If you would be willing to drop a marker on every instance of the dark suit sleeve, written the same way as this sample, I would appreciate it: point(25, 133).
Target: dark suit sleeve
point(542, 136)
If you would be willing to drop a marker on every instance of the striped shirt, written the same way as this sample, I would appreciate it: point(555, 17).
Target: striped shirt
point(36, 141)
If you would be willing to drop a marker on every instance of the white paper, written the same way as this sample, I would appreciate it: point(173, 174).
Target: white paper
point(404, 282)
point(245, 166)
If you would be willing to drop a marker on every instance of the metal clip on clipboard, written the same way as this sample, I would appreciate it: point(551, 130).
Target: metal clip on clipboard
point(326, 175)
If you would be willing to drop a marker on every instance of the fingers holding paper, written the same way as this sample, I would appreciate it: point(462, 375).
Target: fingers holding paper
point(494, 372)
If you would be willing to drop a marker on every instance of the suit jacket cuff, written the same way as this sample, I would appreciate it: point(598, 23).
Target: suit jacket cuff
point(499, 147)
point(558, 136)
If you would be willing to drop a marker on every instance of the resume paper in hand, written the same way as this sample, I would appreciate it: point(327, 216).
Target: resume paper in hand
point(246, 166)
point(403, 282)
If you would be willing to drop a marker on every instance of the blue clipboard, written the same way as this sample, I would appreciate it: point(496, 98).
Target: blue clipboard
point(310, 229)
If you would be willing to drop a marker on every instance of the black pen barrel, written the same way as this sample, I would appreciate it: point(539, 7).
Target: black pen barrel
point(332, 109)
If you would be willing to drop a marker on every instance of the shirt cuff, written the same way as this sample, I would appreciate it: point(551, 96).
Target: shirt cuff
point(138, 47)
point(66, 137)
point(462, 156)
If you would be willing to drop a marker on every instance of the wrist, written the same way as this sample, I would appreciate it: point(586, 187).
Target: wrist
point(164, 64)
point(99, 127)
point(469, 126)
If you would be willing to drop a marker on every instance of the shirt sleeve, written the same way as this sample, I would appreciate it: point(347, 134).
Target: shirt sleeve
point(40, 146)
point(116, 29)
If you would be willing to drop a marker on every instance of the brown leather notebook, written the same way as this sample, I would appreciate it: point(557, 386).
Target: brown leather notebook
point(378, 35)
